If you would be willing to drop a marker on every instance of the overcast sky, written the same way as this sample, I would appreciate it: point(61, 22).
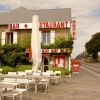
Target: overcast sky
point(87, 13)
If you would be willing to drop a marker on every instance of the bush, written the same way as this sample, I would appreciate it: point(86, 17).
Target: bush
point(7, 69)
point(66, 72)
point(89, 61)
point(13, 55)
point(23, 67)
point(63, 71)
point(59, 43)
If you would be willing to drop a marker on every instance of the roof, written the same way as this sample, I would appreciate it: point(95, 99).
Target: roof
point(23, 15)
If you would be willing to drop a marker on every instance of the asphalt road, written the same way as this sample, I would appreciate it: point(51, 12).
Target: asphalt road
point(82, 86)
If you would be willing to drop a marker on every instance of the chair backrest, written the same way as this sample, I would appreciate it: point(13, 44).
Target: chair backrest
point(21, 73)
point(49, 71)
point(39, 71)
point(36, 74)
point(58, 73)
point(28, 71)
point(46, 74)
point(12, 73)
point(9, 80)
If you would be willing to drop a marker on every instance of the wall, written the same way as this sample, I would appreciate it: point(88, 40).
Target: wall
point(3, 28)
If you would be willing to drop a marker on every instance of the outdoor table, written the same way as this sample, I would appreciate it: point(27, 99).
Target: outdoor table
point(9, 84)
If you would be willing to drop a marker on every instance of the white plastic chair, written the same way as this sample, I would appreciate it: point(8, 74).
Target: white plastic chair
point(21, 73)
point(58, 76)
point(39, 71)
point(12, 73)
point(36, 74)
point(58, 73)
point(44, 82)
point(28, 71)
point(46, 74)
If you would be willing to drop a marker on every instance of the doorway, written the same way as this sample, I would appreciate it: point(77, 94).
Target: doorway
point(46, 64)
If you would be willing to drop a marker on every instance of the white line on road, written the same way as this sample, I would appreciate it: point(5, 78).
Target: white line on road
point(98, 75)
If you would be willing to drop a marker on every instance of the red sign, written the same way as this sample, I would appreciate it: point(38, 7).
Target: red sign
point(75, 65)
point(52, 51)
point(73, 28)
point(64, 24)
point(56, 51)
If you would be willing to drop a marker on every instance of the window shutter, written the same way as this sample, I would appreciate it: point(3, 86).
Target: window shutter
point(3, 41)
point(14, 37)
point(52, 36)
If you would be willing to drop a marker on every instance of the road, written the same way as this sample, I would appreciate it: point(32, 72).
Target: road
point(93, 67)
point(82, 86)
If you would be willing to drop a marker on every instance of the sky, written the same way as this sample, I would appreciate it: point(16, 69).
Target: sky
point(87, 13)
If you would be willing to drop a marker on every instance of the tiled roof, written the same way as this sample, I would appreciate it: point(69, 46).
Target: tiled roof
point(22, 15)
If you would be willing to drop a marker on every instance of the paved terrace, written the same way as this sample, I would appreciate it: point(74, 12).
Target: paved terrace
point(84, 86)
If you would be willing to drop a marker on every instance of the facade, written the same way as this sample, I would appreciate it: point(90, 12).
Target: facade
point(16, 27)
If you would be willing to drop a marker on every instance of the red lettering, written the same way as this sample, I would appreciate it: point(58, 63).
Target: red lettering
point(66, 24)
point(58, 25)
point(40, 26)
point(50, 24)
point(17, 26)
point(73, 25)
point(47, 25)
point(54, 25)
point(43, 25)
point(10, 26)
point(73, 21)
point(14, 26)
point(62, 24)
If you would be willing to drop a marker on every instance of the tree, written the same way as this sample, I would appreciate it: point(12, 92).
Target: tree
point(93, 46)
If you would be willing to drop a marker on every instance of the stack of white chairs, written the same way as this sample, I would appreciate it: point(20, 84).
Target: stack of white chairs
point(39, 71)
point(36, 74)
point(21, 74)
point(28, 72)
point(12, 93)
point(58, 76)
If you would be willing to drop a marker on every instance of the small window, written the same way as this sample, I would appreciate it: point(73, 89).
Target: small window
point(9, 38)
point(46, 38)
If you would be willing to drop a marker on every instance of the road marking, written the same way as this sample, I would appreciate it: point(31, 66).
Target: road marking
point(98, 75)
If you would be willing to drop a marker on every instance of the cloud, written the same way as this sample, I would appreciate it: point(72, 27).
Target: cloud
point(86, 12)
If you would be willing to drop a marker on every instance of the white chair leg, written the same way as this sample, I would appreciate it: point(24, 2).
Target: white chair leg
point(21, 96)
point(13, 98)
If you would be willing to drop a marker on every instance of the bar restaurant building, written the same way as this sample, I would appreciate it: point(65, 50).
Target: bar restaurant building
point(16, 27)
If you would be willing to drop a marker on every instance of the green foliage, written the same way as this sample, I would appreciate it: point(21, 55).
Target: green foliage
point(56, 69)
point(7, 69)
point(93, 46)
point(59, 43)
point(63, 71)
point(13, 55)
point(63, 43)
point(48, 46)
point(66, 72)
point(23, 67)
point(26, 43)
point(89, 61)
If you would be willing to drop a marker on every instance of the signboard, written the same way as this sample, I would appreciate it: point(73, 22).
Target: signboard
point(64, 24)
point(55, 51)
point(52, 51)
point(75, 65)
point(73, 28)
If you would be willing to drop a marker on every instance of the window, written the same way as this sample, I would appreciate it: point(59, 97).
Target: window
point(9, 38)
point(46, 37)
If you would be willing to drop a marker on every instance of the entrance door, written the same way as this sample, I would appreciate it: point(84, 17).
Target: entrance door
point(46, 64)
point(60, 61)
